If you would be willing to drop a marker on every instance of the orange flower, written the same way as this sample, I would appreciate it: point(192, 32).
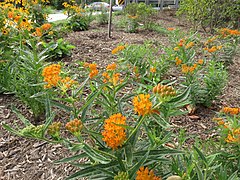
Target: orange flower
point(10, 15)
point(38, 32)
point(92, 66)
point(75, 126)
point(232, 111)
point(212, 49)
point(178, 61)
point(114, 135)
point(145, 174)
point(170, 29)
point(46, 26)
point(189, 45)
point(93, 73)
point(117, 49)
point(142, 104)
point(66, 83)
point(51, 75)
point(112, 67)
point(188, 69)
point(93, 70)
point(153, 70)
point(200, 61)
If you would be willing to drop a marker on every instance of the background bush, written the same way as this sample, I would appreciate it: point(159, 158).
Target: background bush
point(211, 13)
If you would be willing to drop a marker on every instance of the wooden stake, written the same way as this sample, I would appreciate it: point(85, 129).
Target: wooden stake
point(110, 20)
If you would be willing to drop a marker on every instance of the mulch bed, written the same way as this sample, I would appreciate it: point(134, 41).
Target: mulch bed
point(25, 159)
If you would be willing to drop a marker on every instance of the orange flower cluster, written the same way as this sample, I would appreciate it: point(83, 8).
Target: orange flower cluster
point(114, 135)
point(117, 49)
point(142, 104)
point(46, 26)
point(178, 61)
point(233, 136)
point(93, 69)
point(200, 61)
point(112, 67)
point(153, 69)
point(51, 75)
point(170, 29)
point(210, 40)
point(145, 174)
point(39, 30)
point(75, 126)
point(232, 111)
point(225, 32)
point(164, 90)
point(114, 78)
point(66, 83)
point(189, 45)
point(212, 49)
point(188, 69)
point(181, 42)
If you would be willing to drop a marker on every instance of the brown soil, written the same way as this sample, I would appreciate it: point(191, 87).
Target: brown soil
point(25, 159)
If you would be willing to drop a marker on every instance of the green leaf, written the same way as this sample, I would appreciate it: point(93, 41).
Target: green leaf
point(88, 103)
point(234, 176)
point(21, 117)
point(199, 172)
point(87, 172)
point(95, 155)
point(134, 169)
point(47, 123)
point(182, 96)
point(75, 92)
point(201, 155)
point(8, 128)
point(129, 154)
point(157, 152)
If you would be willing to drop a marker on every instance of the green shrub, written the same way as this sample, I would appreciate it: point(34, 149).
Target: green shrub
point(211, 13)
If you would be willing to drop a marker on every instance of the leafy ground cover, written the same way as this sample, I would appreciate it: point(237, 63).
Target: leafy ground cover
point(26, 158)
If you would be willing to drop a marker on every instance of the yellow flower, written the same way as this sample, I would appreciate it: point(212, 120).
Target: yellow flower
point(114, 135)
point(145, 174)
point(176, 49)
point(142, 104)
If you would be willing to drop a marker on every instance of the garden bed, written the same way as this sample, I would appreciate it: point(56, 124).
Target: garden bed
point(27, 159)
